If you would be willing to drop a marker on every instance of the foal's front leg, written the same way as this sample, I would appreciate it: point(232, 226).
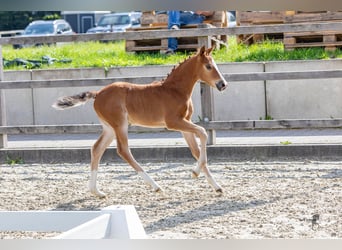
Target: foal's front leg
point(190, 139)
point(189, 127)
point(202, 163)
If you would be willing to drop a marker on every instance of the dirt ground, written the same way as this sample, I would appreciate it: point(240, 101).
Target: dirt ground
point(301, 199)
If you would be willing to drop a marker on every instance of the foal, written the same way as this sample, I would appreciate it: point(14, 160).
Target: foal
point(166, 103)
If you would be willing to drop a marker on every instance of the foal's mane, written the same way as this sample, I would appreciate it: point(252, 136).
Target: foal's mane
point(177, 67)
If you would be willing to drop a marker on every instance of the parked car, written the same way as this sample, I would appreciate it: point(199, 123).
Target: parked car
point(45, 28)
point(117, 22)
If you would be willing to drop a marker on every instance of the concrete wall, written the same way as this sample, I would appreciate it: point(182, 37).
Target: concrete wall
point(241, 100)
point(297, 99)
point(304, 99)
point(19, 102)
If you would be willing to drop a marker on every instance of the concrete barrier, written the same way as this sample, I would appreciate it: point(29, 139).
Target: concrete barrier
point(304, 99)
point(241, 100)
point(113, 222)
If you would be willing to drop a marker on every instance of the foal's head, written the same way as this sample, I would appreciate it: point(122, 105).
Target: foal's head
point(209, 71)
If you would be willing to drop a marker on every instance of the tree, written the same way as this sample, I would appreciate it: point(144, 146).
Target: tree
point(17, 20)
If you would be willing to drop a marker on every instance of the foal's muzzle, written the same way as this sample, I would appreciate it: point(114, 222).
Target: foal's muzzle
point(221, 85)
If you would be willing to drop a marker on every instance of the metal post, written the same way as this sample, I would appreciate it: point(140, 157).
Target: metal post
point(3, 122)
point(207, 97)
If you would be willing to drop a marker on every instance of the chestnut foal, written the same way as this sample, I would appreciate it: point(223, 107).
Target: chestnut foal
point(165, 103)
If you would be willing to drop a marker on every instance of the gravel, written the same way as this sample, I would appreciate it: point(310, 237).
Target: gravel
point(261, 200)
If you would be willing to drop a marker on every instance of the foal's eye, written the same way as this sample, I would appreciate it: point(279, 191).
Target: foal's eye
point(208, 66)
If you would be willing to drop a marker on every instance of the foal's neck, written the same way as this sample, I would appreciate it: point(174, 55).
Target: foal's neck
point(183, 77)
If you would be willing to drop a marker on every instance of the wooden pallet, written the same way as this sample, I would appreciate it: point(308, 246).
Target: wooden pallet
point(248, 18)
point(328, 40)
point(161, 44)
point(151, 20)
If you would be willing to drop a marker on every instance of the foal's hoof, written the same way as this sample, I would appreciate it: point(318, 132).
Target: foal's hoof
point(158, 190)
point(98, 193)
point(194, 174)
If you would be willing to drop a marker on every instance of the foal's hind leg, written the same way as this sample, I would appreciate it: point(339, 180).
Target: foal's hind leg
point(97, 151)
point(125, 153)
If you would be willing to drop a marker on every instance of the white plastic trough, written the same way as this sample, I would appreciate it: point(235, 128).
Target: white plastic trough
point(113, 222)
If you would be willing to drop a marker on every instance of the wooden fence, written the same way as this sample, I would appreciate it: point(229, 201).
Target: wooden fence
point(204, 35)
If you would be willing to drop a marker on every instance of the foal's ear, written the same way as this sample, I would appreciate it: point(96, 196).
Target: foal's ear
point(210, 50)
point(201, 51)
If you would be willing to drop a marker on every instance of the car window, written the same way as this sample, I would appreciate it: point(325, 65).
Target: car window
point(60, 27)
point(67, 27)
point(63, 27)
point(125, 20)
point(39, 29)
point(136, 18)
point(114, 20)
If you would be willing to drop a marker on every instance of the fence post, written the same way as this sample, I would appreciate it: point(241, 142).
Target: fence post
point(207, 95)
point(3, 122)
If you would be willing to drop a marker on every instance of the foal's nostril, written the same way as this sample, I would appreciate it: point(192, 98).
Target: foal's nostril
point(221, 85)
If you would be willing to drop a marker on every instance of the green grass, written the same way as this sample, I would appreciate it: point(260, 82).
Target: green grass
point(96, 54)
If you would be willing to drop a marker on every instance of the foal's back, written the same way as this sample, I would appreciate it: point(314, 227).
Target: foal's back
point(139, 104)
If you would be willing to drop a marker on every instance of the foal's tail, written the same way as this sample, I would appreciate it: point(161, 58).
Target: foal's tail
point(66, 102)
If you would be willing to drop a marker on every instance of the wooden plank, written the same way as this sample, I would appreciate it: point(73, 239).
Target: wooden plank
point(145, 48)
point(311, 33)
point(151, 18)
point(260, 29)
point(147, 28)
point(318, 44)
point(207, 99)
point(260, 17)
point(163, 47)
point(314, 17)
point(76, 82)
point(241, 77)
point(289, 75)
point(3, 119)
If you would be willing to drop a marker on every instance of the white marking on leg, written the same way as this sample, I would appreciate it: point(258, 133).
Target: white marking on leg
point(149, 181)
point(214, 184)
point(92, 185)
point(196, 171)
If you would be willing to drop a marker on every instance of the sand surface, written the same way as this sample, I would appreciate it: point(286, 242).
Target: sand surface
point(260, 200)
